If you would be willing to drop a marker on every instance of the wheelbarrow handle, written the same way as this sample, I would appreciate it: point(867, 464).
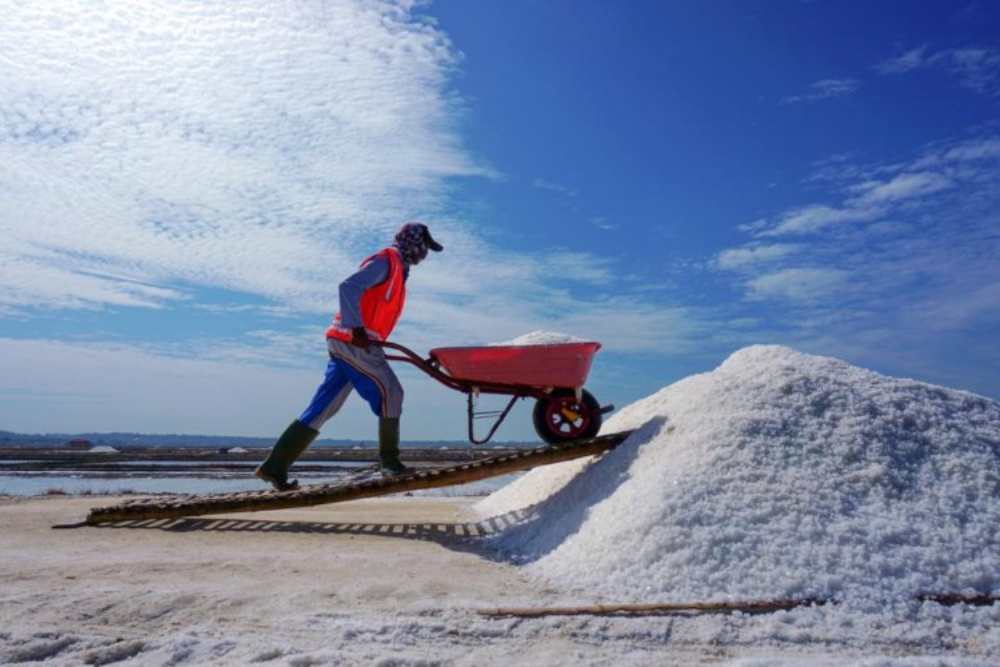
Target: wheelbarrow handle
point(428, 365)
point(400, 348)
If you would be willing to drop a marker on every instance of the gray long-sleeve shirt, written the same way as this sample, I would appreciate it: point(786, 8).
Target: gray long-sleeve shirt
point(354, 286)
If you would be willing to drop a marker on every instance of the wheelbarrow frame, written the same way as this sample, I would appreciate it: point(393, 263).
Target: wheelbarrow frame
point(472, 388)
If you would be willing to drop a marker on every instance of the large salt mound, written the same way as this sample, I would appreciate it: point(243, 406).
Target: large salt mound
point(779, 474)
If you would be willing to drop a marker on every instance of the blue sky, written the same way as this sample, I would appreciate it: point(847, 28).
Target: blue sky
point(185, 184)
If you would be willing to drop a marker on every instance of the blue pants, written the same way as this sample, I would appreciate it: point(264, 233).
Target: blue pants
point(349, 368)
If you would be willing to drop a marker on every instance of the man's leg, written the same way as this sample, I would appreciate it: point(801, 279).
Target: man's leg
point(370, 374)
point(329, 397)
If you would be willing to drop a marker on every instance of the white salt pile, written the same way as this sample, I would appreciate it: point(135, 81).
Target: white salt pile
point(542, 338)
point(777, 475)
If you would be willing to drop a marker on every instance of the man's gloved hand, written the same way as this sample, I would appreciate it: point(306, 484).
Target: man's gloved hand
point(360, 337)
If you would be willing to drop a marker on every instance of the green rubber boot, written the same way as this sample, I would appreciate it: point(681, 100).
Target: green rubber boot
point(388, 448)
point(286, 450)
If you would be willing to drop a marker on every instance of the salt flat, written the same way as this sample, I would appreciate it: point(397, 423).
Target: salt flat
point(386, 580)
point(390, 581)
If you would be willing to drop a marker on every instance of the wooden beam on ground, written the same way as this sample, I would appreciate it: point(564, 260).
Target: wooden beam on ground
point(746, 606)
point(307, 496)
point(953, 599)
point(653, 609)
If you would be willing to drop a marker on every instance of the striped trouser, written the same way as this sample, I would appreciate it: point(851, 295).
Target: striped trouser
point(352, 367)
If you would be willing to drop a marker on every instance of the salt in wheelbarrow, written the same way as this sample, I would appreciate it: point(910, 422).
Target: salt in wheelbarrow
point(553, 375)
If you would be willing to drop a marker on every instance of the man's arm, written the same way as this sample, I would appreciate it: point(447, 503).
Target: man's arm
point(354, 287)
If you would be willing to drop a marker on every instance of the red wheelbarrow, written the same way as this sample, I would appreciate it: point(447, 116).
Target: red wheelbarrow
point(553, 375)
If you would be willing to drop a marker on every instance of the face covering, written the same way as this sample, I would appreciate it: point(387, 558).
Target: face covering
point(411, 241)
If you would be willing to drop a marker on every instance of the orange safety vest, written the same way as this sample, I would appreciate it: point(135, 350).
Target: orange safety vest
point(381, 304)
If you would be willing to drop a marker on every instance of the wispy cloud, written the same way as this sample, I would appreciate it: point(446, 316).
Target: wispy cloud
point(824, 90)
point(904, 62)
point(543, 184)
point(602, 223)
point(581, 267)
point(154, 153)
point(976, 68)
point(870, 193)
point(816, 217)
point(35, 277)
point(754, 255)
point(797, 284)
point(892, 252)
point(252, 148)
point(900, 187)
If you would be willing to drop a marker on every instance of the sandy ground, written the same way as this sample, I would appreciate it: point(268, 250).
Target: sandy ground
point(388, 581)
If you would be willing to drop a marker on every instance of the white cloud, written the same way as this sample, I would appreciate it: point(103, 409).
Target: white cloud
point(905, 62)
point(602, 223)
point(817, 217)
point(959, 310)
point(751, 256)
point(979, 149)
point(825, 89)
point(157, 149)
point(903, 186)
point(760, 224)
point(874, 192)
point(31, 280)
point(976, 68)
point(896, 268)
point(919, 277)
point(250, 147)
point(543, 184)
point(577, 266)
point(797, 284)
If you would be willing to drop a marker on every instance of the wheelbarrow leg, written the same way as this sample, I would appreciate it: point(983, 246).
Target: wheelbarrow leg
point(473, 414)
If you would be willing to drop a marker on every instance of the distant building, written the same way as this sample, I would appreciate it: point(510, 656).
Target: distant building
point(79, 443)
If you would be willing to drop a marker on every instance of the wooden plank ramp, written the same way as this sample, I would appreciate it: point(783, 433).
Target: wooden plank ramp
point(320, 494)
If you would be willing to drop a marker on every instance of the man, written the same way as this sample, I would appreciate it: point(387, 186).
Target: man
point(371, 302)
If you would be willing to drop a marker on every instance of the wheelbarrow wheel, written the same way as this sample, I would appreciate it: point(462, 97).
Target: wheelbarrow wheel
point(559, 417)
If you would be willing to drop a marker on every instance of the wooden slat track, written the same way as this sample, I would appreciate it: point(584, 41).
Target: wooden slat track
point(319, 494)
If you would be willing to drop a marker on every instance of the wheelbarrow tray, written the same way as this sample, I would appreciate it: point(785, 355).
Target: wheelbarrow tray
point(555, 365)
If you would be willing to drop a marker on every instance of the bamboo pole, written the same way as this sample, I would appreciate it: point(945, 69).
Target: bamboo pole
point(952, 599)
point(746, 606)
point(653, 609)
point(308, 496)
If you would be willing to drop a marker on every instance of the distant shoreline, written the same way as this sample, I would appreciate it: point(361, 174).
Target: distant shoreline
point(11, 439)
point(21, 458)
point(34, 470)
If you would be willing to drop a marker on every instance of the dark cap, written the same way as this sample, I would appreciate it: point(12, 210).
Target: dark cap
point(431, 243)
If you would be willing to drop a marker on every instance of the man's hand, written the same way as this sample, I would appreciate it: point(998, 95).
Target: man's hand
point(360, 337)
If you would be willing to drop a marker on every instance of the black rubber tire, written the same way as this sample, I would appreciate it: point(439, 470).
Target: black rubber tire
point(552, 432)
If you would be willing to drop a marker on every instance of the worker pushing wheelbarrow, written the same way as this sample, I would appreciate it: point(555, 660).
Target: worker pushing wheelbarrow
point(371, 301)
